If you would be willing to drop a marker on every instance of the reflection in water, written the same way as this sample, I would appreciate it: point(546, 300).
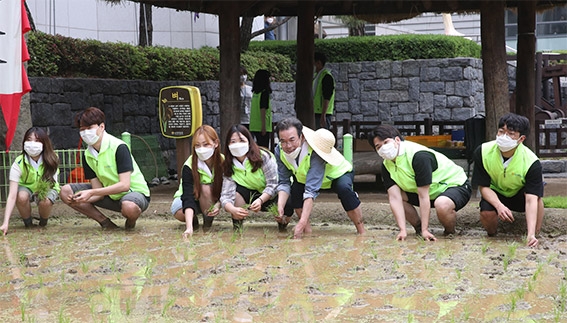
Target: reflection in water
point(151, 274)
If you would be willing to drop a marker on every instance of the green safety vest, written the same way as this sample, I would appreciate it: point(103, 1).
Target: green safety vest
point(31, 180)
point(256, 116)
point(318, 95)
point(510, 180)
point(448, 174)
point(105, 167)
point(204, 178)
point(331, 172)
point(255, 181)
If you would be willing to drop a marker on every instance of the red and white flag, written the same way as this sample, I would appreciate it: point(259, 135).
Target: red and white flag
point(13, 52)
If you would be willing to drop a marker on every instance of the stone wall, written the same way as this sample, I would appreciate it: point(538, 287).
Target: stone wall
point(443, 89)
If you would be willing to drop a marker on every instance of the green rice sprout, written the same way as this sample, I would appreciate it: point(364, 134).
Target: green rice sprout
point(43, 187)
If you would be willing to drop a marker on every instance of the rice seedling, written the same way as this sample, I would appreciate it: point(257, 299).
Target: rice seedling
point(61, 317)
point(484, 248)
point(43, 187)
point(84, 267)
point(562, 302)
point(168, 304)
point(510, 255)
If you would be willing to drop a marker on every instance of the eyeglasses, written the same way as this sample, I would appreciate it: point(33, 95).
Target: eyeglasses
point(510, 133)
point(290, 142)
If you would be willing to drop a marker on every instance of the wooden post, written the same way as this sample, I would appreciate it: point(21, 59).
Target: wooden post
point(305, 51)
point(229, 101)
point(494, 69)
point(525, 71)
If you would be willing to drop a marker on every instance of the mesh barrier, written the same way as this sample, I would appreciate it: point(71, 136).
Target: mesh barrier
point(147, 153)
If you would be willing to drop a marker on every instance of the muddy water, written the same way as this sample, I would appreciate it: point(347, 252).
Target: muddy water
point(79, 274)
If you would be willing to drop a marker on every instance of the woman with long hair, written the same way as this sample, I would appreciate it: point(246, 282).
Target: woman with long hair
point(201, 182)
point(33, 178)
point(250, 176)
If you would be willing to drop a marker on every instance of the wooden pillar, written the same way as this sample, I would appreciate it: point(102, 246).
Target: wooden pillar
point(305, 51)
point(525, 71)
point(229, 101)
point(494, 70)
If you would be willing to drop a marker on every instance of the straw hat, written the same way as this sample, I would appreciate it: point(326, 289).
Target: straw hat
point(323, 142)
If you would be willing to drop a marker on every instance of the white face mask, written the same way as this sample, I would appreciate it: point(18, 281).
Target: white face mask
point(204, 153)
point(243, 78)
point(505, 143)
point(293, 155)
point(388, 151)
point(238, 149)
point(89, 136)
point(270, 20)
point(33, 148)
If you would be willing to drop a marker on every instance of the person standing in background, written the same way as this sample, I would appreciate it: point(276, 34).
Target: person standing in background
point(269, 35)
point(245, 98)
point(323, 92)
point(261, 108)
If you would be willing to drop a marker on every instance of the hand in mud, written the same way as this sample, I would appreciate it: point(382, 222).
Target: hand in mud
point(300, 228)
point(283, 219)
point(402, 236)
point(256, 205)
point(532, 242)
point(239, 213)
point(427, 236)
point(505, 214)
point(188, 232)
point(4, 228)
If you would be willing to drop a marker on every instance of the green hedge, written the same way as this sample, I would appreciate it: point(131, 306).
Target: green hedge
point(58, 56)
point(378, 48)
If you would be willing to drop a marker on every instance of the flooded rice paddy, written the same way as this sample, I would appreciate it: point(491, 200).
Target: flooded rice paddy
point(74, 272)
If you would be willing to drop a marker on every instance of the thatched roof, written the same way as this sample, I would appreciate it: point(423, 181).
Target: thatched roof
point(370, 10)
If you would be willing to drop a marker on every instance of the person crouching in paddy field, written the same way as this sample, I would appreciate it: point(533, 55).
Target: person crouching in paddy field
point(415, 175)
point(116, 182)
point(250, 176)
point(310, 158)
point(33, 177)
point(201, 182)
point(510, 178)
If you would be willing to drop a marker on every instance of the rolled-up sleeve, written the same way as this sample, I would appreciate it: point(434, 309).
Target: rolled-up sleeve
point(284, 174)
point(315, 176)
point(270, 169)
point(228, 193)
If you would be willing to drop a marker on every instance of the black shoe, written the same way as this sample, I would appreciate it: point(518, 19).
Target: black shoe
point(207, 223)
point(28, 222)
point(237, 224)
point(42, 222)
point(108, 224)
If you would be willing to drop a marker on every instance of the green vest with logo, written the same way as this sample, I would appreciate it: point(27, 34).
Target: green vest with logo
point(204, 177)
point(105, 167)
point(510, 180)
point(318, 95)
point(256, 116)
point(447, 174)
point(30, 178)
point(331, 172)
point(251, 180)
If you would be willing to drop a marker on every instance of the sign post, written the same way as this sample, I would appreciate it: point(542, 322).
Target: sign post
point(180, 114)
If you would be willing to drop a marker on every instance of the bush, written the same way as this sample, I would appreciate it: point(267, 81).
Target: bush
point(58, 56)
point(378, 48)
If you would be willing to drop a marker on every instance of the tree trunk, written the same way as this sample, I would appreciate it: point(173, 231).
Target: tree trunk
point(305, 51)
point(525, 72)
point(496, 101)
point(146, 26)
point(229, 103)
point(245, 33)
